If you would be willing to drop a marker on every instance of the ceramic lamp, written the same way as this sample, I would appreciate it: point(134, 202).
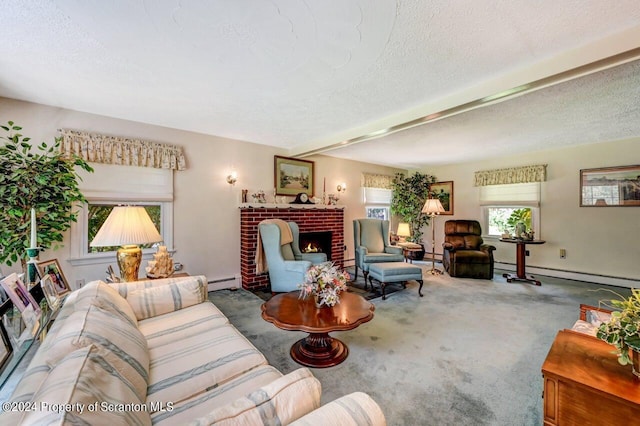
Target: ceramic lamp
point(127, 226)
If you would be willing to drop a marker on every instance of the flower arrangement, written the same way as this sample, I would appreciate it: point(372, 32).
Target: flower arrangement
point(623, 329)
point(325, 282)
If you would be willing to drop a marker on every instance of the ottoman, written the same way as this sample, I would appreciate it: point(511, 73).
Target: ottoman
point(393, 272)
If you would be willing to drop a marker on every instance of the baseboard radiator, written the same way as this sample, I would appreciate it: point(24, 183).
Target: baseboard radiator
point(225, 283)
point(572, 275)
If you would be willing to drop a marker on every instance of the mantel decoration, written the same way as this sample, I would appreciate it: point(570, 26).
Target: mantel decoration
point(35, 186)
point(324, 282)
point(623, 330)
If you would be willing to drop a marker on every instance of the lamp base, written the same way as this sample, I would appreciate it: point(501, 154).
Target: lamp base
point(435, 271)
point(129, 259)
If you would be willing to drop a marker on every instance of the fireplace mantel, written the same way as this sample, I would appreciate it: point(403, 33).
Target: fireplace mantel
point(291, 206)
point(309, 217)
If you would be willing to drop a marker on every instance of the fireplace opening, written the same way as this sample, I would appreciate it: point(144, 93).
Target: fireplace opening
point(316, 242)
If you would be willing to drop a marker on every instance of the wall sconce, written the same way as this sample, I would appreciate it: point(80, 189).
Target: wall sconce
point(342, 187)
point(232, 178)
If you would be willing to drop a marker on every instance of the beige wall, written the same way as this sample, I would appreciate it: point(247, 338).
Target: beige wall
point(206, 216)
point(599, 241)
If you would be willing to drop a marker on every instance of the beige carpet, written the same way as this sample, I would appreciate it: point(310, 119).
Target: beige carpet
point(467, 353)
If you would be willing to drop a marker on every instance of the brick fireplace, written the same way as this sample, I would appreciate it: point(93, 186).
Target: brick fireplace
point(310, 219)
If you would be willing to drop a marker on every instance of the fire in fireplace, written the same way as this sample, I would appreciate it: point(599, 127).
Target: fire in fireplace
point(316, 242)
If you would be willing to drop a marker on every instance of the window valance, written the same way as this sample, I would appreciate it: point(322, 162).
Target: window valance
point(370, 180)
point(105, 149)
point(525, 174)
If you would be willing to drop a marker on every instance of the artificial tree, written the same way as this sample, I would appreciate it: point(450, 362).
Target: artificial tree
point(45, 180)
point(410, 192)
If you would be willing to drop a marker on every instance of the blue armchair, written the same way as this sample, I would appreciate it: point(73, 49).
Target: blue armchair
point(285, 272)
point(371, 240)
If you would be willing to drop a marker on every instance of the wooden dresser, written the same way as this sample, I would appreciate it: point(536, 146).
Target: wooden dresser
point(585, 385)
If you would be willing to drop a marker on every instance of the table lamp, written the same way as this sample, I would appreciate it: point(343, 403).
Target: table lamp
point(127, 226)
point(403, 231)
point(433, 207)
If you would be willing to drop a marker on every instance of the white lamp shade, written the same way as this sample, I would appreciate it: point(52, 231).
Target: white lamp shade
point(126, 225)
point(433, 206)
point(403, 230)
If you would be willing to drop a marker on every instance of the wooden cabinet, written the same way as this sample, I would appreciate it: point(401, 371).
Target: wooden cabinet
point(585, 385)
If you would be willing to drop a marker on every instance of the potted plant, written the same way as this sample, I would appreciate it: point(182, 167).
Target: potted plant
point(623, 330)
point(410, 192)
point(45, 180)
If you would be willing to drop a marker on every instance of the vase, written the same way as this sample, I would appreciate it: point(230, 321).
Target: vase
point(316, 299)
point(635, 363)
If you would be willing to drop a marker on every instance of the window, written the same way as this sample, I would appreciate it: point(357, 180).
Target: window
point(112, 185)
point(503, 206)
point(377, 202)
point(378, 212)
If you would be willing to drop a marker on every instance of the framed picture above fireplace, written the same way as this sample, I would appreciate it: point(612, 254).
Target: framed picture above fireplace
point(293, 176)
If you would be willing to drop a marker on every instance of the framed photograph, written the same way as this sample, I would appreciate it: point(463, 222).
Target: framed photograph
point(52, 269)
point(444, 192)
point(48, 288)
point(293, 176)
point(5, 346)
point(18, 293)
point(610, 187)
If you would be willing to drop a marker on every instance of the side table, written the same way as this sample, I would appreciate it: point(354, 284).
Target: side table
point(521, 253)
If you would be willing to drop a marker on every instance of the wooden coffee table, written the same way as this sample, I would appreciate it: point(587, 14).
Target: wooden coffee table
point(318, 349)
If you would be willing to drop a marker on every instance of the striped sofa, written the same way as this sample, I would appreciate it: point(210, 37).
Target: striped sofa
point(159, 352)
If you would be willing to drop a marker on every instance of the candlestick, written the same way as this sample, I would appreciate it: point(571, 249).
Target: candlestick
point(34, 238)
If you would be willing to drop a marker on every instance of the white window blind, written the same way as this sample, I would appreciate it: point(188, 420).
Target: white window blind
point(127, 183)
point(521, 194)
point(376, 196)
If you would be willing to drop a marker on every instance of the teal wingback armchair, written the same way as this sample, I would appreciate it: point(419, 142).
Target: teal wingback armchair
point(371, 240)
point(285, 270)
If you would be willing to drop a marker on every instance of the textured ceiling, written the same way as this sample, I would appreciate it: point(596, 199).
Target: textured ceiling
point(305, 75)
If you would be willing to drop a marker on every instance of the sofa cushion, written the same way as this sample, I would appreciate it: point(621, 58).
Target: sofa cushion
point(152, 301)
point(203, 403)
point(167, 328)
point(354, 409)
point(193, 363)
point(124, 288)
point(100, 294)
point(100, 327)
point(82, 378)
point(93, 325)
point(472, 256)
point(278, 403)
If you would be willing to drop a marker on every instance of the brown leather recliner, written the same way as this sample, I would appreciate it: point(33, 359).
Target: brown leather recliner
point(465, 255)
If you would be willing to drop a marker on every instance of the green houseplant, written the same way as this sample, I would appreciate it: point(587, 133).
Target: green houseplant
point(45, 180)
point(623, 329)
point(409, 193)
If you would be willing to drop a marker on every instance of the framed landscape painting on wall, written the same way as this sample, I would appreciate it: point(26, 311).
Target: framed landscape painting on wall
point(610, 187)
point(293, 176)
point(444, 192)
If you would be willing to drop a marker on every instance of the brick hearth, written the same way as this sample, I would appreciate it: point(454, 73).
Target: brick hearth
point(310, 218)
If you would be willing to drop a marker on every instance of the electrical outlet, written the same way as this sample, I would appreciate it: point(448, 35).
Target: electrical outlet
point(563, 253)
point(79, 283)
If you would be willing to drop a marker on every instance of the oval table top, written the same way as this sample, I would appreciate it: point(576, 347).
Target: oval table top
point(288, 312)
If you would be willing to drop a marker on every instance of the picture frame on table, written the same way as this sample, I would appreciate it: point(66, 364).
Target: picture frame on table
point(52, 268)
point(5, 346)
point(444, 192)
point(293, 176)
point(19, 295)
point(49, 291)
point(610, 187)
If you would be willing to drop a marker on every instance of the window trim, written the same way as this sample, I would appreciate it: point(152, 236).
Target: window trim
point(80, 230)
